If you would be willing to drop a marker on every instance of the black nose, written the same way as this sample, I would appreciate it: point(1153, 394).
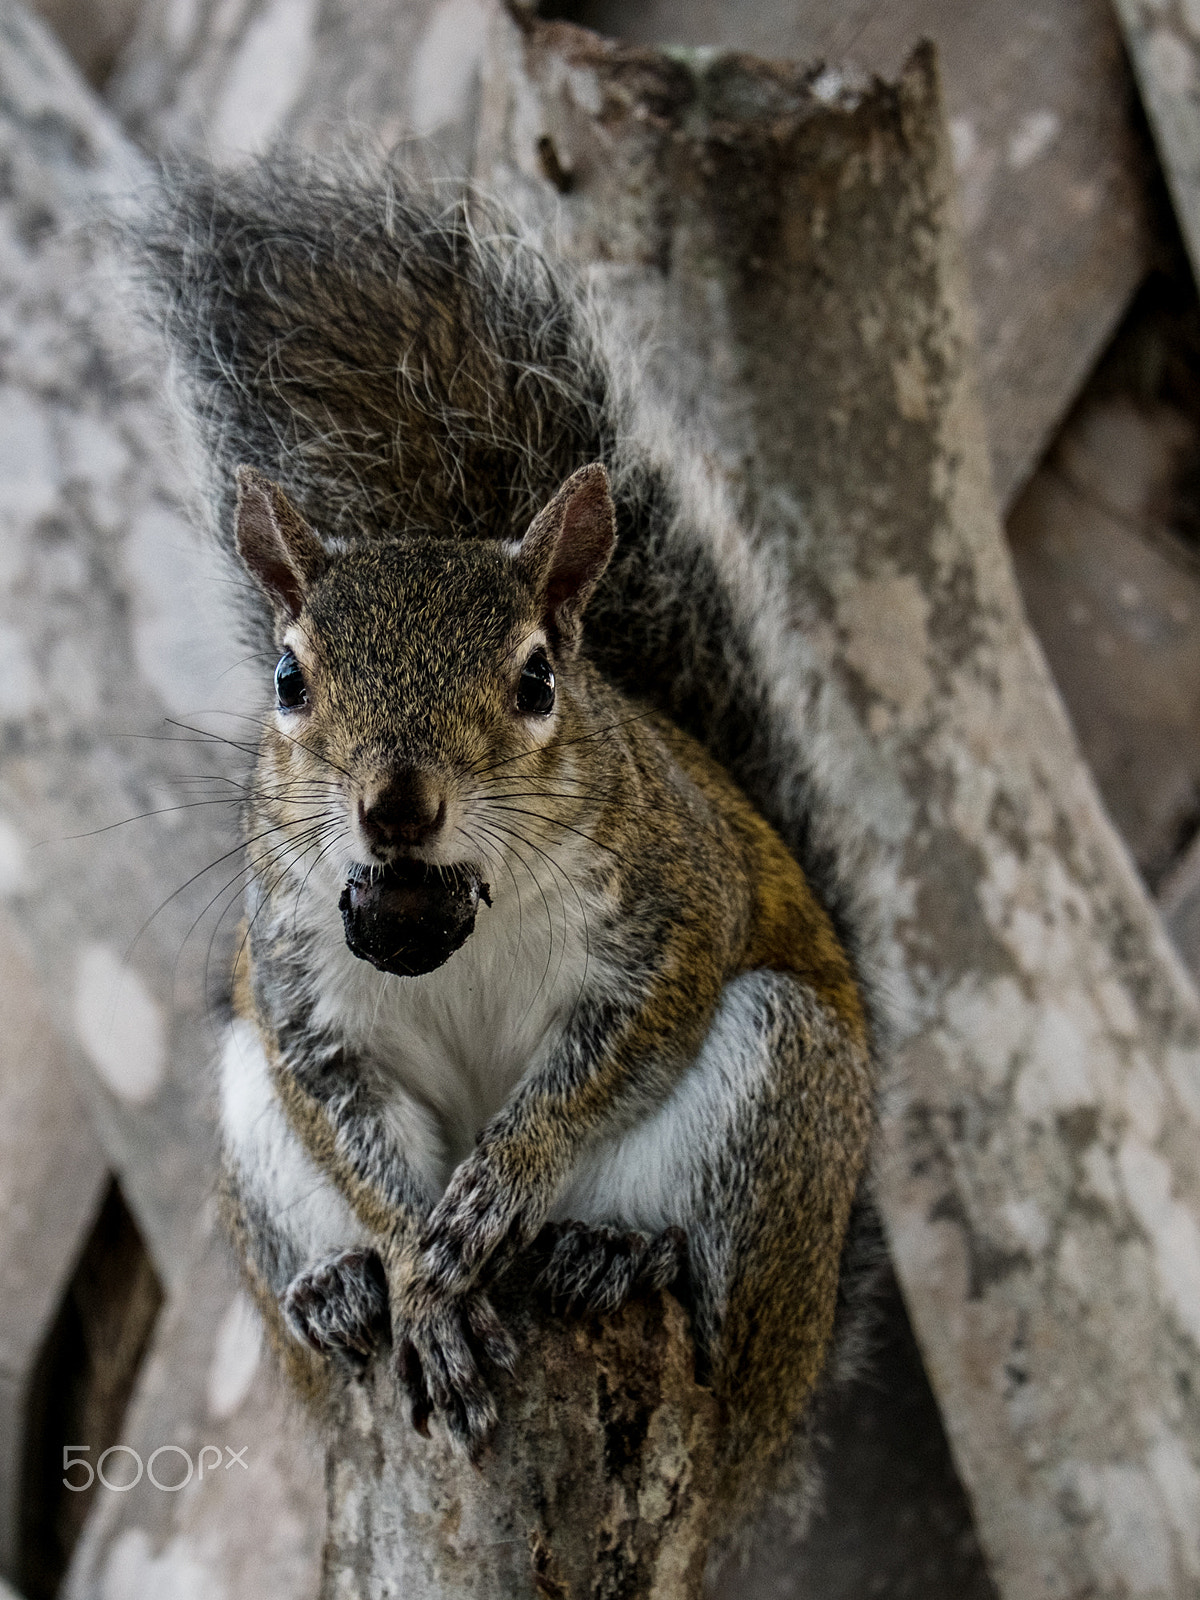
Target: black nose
point(408, 809)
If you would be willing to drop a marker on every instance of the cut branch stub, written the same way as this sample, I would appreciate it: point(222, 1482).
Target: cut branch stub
point(597, 1480)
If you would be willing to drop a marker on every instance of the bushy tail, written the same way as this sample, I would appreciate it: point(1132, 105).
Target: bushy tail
point(404, 365)
point(398, 365)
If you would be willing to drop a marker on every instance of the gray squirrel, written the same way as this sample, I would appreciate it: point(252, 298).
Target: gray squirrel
point(543, 950)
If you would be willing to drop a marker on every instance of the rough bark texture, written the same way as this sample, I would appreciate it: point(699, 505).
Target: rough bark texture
point(597, 1482)
point(1046, 151)
point(111, 621)
point(98, 632)
point(1042, 1184)
point(235, 77)
point(1164, 41)
point(795, 254)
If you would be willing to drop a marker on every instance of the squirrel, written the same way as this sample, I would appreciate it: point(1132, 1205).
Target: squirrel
point(541, 950)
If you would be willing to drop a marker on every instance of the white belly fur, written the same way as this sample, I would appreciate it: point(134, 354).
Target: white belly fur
point(456, 1041)
point(268, 1159)
point(645, 1177)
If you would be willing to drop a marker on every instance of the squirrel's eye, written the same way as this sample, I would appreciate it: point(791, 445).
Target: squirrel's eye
point(290, 688)
point(535, 692)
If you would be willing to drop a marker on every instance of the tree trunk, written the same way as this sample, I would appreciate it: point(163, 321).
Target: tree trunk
point(793, 244)
point(238, 75)
point(598, 1480)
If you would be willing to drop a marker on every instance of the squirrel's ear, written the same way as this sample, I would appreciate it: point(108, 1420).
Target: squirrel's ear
point(280, 551)
point(567, 548)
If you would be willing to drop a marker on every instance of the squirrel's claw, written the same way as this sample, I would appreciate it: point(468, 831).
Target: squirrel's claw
point(600, 1268)
point(439, 1358)
point(339, 1306)
point(494, 1339)
point(408, 1369)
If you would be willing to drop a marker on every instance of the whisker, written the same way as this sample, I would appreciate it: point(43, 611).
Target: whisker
point(269, 891)
point(545, 904)
point(196, 876)
point(524, 811)
point(290, 737)
point(554, 867)
point(502, 857)
point(503, 854)
point(566, 744)
point(340, 833)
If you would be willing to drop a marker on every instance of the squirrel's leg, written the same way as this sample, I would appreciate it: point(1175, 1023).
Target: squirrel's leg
point(312, 1259)
point(597, 1267)
point(618, 1054)
point(615, 1051)
point(381, 1151)
point(307, 1255)
point(756, 1156)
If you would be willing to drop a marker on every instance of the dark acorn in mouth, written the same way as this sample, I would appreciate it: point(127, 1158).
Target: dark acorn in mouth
point(411, 917)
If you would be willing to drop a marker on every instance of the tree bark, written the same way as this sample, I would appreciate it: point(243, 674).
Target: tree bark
point(793, 245)
point(1164, 44)
point(1057, 229)
point(112, 621)
point(598, 1480)
point(233, 78)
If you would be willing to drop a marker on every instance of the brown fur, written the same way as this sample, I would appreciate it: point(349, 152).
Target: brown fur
point(422, 381)
point(410, 652)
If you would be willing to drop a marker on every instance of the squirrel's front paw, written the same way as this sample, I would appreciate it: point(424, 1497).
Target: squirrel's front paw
point(339, 1306)
point(600, 1268)
point(442, 1344)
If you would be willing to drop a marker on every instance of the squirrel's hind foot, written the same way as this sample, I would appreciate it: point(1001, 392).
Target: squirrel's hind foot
point(339, 1306)
point(599, 1268)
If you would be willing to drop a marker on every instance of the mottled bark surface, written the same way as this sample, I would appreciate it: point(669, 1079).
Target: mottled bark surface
point(793, 252)
point(597, 1482)
point(1046, 152)
point(1041, 1181)
point(102, 640)
point(1164, 41)
point(234, 77)
point(112, 621)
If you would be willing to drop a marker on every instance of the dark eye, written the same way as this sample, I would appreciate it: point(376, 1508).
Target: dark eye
point(535, 692)
point(290, 688)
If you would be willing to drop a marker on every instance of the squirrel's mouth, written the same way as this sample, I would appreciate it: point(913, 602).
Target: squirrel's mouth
point(410, 917)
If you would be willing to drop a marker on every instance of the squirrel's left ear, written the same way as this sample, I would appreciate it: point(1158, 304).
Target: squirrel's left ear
point(278, 548)
point(567, 548)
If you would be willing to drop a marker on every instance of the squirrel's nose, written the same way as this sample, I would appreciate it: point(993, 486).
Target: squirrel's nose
point(407, 809)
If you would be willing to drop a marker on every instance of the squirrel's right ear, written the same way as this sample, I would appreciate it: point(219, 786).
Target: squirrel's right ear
point(567, 548)
point(279, 549)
